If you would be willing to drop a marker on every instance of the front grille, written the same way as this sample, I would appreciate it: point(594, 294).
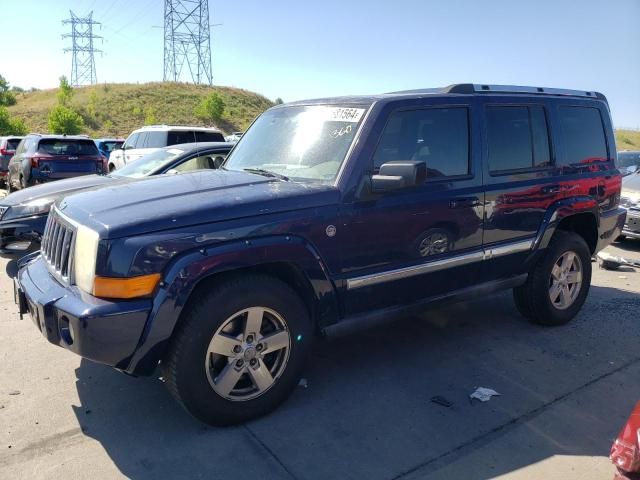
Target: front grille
point(57, 245)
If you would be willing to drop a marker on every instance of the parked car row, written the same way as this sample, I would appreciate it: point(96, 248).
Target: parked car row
point(151, 138)
point(23, 214)
point(327, 214)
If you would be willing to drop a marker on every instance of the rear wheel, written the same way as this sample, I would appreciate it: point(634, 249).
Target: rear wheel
point(558, 284)
point(239, 349)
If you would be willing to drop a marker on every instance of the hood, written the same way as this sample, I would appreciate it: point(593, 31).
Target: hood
point(54, 190)
point(173, 201)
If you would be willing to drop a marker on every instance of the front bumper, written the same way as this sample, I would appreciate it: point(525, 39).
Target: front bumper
point(104, 331)
point(21, 236)
point(611, 224)
point(631, 227)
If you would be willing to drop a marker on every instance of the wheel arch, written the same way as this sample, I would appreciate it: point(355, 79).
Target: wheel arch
point(575, 214)
point(289, 259)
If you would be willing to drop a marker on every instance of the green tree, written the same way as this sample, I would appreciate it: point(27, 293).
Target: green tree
point(11, 126)
point(65, 91)
point(63, 119)
point(7, 97)
point(278, 101)
point(211, 108)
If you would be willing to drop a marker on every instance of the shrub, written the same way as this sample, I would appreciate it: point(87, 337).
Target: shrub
point(11, 126)
point(64, 120)
point(7, 97)
point(211, 108)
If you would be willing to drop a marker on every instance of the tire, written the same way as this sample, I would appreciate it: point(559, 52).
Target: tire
point(533, 299)
point(112, 168)
point(189, 367)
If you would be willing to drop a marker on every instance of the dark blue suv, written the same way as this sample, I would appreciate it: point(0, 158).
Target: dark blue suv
point(329, 213)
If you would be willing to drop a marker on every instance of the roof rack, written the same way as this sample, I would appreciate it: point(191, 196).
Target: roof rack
point(470, 88)
point(484, 88)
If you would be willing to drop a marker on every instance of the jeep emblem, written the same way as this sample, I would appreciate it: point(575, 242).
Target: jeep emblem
point(330, 231)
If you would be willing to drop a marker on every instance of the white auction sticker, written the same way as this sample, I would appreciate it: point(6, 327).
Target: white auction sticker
point(342, 114)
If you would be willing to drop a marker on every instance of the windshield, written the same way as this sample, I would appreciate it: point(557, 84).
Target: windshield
point(628, 159)
point(110, 146)
point(300, 142)
point(148, 163)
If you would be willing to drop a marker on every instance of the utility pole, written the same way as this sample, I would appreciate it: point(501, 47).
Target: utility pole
point(187, 41)
point(83, 65)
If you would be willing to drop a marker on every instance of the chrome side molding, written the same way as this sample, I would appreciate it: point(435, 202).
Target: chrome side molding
point(486, 253)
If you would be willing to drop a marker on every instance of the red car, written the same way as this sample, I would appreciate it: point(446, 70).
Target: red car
point(625, 451)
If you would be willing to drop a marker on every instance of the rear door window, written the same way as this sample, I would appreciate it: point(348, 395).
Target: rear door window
point(52, 146)
point(209, 136)
point(176, 137)
point(583, 138)
point(517, 137)
point(156, 140)
point(437, 136)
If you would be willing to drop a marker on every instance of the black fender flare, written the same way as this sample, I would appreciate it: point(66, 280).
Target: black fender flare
point(186, 272)
point(560, 210)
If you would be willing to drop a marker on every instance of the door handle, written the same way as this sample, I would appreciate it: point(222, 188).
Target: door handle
point(464, 202)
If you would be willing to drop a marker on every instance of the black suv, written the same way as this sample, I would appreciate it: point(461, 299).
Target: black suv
point(329, 213)
point(42, 158)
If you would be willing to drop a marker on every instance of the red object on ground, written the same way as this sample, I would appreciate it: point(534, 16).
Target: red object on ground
point(625, 451)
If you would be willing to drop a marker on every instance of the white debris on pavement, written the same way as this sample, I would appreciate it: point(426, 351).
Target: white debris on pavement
point(483, 394)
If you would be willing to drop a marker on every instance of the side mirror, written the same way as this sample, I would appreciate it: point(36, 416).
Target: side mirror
point(218, 161)
point(398, 175)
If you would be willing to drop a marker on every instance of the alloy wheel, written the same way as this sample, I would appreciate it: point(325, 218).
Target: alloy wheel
point(248, 353)
point(566, 280)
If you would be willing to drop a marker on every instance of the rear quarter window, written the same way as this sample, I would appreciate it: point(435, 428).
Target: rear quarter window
point(52, 146)
point(13, 143)
point(583, 136)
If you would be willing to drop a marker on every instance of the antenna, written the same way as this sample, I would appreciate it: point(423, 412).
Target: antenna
point(187, 41)
point(83, 66)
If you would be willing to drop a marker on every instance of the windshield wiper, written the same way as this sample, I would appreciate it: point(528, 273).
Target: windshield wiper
point(266, 173)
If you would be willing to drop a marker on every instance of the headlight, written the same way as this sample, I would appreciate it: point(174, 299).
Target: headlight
point(39, 206)
point(84, 259)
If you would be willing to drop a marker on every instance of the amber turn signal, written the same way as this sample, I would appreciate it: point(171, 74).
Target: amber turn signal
point(132, 287)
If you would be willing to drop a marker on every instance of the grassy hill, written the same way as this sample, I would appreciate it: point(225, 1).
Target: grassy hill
point(628, 139)
point(117, 109)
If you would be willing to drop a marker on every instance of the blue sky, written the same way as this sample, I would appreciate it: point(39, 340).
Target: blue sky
point(296, 49)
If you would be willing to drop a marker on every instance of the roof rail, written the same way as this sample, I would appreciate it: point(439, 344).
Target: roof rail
point(471, 88)
point(485, 88)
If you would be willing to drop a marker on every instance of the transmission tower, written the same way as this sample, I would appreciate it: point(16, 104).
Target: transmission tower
point(187, 40)
point(83, 65)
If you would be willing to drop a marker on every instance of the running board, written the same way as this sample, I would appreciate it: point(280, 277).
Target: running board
point(366, 320)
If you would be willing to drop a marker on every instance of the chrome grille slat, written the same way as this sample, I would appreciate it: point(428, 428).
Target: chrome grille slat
point(58, 244)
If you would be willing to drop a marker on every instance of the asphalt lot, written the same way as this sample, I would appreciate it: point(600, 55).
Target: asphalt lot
point(366, 411)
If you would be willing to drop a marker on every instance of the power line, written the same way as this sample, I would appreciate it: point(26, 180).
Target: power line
point(83, 66)
point(187, 41)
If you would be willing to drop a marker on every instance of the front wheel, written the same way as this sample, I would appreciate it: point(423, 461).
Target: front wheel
point(558, 284)
point(239, 349)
